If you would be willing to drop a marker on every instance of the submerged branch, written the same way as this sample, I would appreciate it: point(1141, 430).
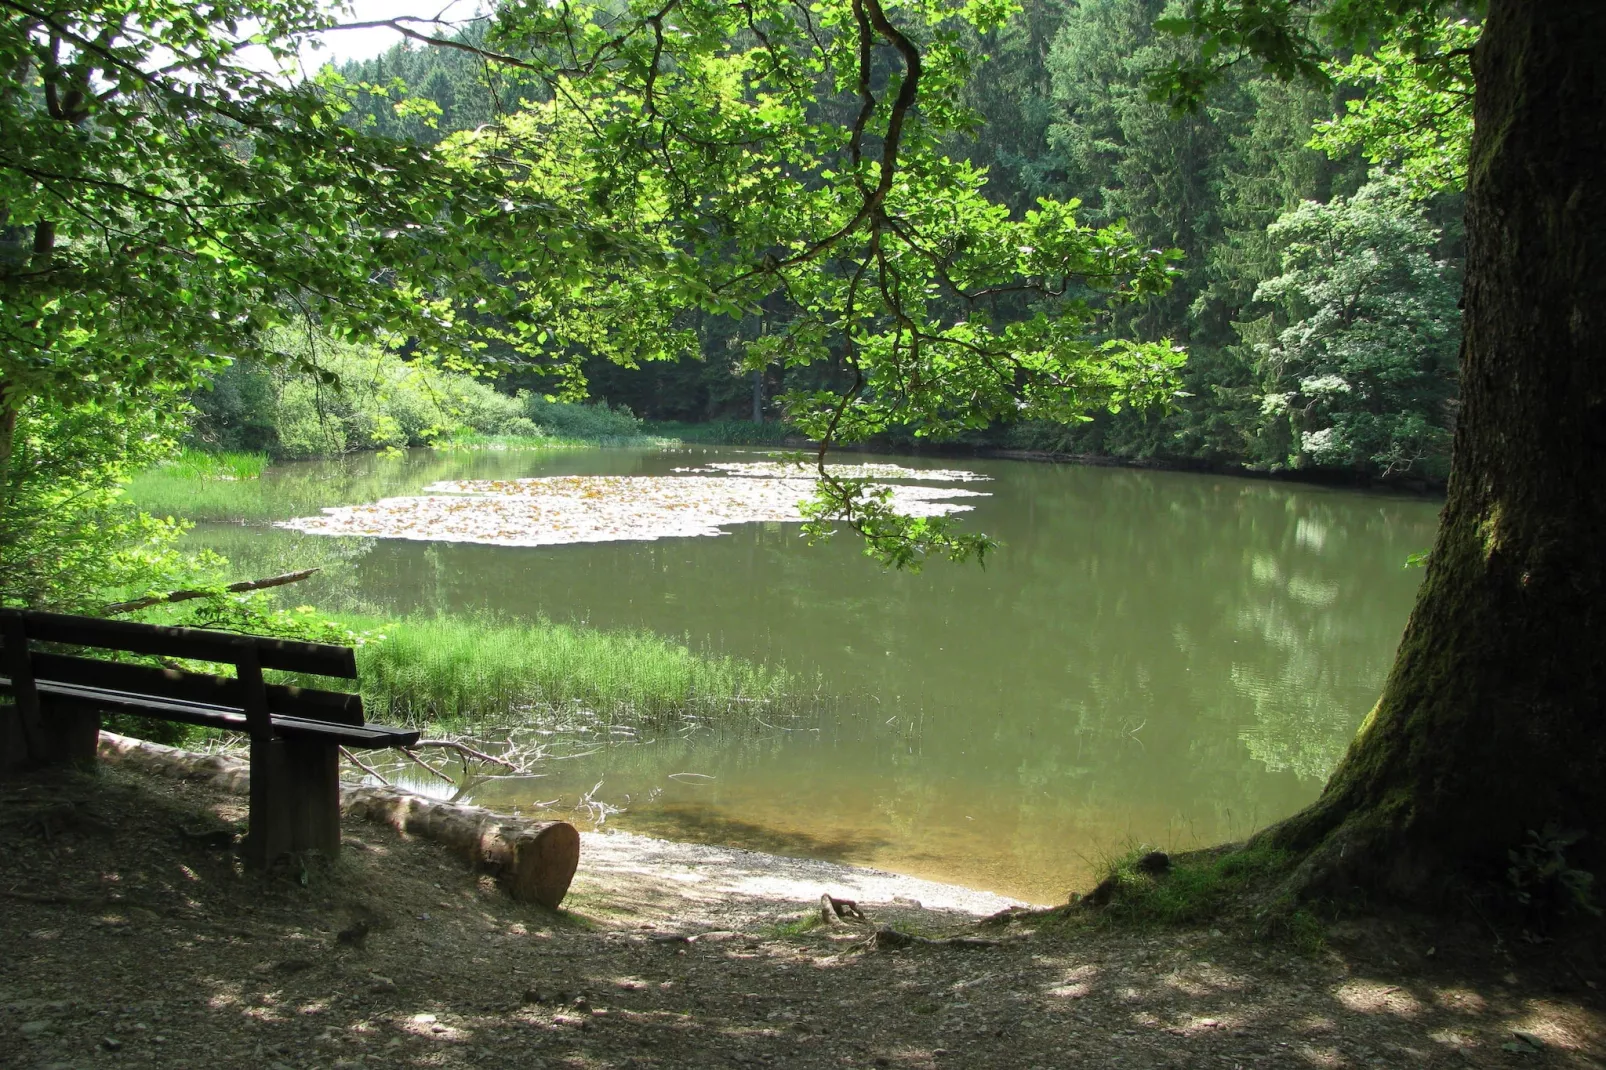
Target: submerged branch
point(364, 766)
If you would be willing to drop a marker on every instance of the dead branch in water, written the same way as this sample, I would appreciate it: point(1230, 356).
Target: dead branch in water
point(470, 752)
point(364, 766)
point(233, 588)
point(416, 759)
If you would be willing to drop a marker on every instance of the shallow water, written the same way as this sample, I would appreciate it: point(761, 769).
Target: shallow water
point(1150, 657)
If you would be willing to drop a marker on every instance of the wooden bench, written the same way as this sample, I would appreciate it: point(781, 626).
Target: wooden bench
point(296, 732)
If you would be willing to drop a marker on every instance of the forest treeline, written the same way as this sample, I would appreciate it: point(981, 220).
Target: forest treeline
point(1319, 232)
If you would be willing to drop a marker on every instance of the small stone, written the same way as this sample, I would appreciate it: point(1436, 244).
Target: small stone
point(381, 985)
point(111, 1043)
point(34, 1029)
point(1528, 1038)
point(437, 1029)
point(534, 995)
point(1155, 863)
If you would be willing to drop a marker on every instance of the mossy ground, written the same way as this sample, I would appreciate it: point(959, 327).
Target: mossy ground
point(1237, 885)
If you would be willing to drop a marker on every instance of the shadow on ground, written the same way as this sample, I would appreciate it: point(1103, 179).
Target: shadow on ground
point(129, 940)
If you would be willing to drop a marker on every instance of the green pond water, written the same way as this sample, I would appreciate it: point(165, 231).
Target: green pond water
point(1150, 657)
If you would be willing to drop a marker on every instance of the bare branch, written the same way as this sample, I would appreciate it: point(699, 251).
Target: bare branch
point(233, 588)
point(364, 766)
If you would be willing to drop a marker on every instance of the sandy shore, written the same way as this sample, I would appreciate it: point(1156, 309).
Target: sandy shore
point(656, 879)
point(699, 874)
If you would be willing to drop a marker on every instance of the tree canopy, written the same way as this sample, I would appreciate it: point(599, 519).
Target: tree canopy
point(166, 203)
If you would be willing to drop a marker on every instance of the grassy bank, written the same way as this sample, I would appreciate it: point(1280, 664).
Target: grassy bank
point(724, 432)
point(240, 488)
point(225, 466)
point(197, 491)
point(472, 440)
point(472, 670)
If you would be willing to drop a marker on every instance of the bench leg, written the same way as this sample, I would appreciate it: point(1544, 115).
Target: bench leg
point(295, 800)
point(55, 737)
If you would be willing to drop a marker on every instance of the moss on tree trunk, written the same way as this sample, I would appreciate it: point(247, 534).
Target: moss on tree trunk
point(1491, 722)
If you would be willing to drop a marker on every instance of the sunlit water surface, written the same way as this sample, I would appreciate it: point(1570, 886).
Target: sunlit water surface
point(1150, 657)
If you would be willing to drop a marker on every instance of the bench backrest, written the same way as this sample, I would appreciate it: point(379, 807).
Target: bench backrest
point(290, 655)
point(250, 654)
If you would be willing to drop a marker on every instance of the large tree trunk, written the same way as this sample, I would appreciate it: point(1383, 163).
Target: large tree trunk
point(1491, 724)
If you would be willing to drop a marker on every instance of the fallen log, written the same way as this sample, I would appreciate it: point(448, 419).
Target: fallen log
point(233, 588)
point(533, 861)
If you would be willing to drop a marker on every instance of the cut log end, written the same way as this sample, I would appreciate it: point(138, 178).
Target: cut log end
point(543, 864)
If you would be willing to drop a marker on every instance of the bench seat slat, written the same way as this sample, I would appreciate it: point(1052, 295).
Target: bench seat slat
point(288, 655)
point(54, 693)
point(335, 706)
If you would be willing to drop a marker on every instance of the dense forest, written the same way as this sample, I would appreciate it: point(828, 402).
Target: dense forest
point(1316, 290)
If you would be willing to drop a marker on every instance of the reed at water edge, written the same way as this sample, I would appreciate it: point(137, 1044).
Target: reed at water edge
point(474, 670)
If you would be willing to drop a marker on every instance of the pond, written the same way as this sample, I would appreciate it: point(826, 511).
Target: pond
point(1149, 657)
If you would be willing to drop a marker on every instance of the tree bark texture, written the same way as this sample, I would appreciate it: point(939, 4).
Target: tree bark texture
point(1491, 723)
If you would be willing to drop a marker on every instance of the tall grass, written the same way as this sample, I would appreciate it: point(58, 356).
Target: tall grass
point(482, 670)
point(227, 466)
point(475, 440)
point(726, 432)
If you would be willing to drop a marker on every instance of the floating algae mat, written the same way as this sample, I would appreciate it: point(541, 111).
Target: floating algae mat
point(555, 510)
point(805, 470)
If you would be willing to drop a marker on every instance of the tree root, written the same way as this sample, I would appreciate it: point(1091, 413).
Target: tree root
point(832, 908)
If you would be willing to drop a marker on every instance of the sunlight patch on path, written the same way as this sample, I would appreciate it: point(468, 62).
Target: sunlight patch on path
point(559, 510)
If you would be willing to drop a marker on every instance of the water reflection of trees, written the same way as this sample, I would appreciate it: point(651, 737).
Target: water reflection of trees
point(1150, 655)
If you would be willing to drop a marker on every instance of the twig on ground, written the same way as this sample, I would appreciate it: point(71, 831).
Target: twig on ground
point(889, 939)
point(48, 899)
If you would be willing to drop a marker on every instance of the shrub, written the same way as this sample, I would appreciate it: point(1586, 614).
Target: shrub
point(594, 421)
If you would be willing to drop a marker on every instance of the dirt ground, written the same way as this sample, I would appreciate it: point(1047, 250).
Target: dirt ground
point(129, 938)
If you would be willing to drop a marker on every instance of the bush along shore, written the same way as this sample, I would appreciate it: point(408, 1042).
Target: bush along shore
point(366, 398)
